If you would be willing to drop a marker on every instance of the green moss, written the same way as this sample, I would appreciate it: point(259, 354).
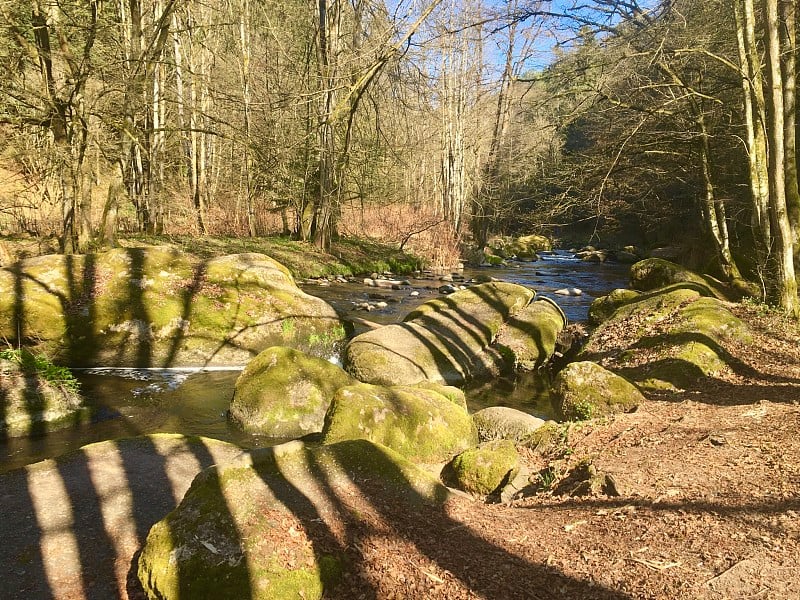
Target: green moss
point(452, 393)
point(653, 273)
point(529, 337)
point(602, 308)
point(419, 423)
point(445, 340)
point(584, 390)
point(157, 306)
point(36, 396)
point(546, 438)
point(349, 256)
point(681, 337)
point(484, 469)
point(285, 393)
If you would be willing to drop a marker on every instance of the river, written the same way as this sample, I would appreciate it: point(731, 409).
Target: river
point(133, 402)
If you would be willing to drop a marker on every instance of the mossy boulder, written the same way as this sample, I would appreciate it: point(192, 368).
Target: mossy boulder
point(156, 306)
point(285, 393)
point(667, 340)
point(446, 340)
point(420, 423)
point(603, 307)
point(584, 390)
point(265, 527)
point(524, 247)
point(654, 273)
point(485, 469)
point(529, 337)
point(505, 423)
point(31, 404)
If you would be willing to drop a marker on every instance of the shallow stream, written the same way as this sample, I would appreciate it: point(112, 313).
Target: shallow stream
point(132, 402)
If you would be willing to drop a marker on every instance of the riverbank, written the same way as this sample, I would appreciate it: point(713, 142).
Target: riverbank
point(348, 256)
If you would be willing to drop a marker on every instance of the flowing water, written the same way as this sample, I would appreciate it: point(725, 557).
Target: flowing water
point(131, 402)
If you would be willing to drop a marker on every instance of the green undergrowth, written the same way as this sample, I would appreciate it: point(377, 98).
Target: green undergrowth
point(40, 365)
point(348, 256)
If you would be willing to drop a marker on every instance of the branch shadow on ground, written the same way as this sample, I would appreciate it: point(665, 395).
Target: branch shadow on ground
point(71, 526)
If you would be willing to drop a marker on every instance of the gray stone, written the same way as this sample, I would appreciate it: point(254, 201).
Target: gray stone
point(504, 423)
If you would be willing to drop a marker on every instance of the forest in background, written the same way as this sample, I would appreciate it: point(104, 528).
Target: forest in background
point(433, 125)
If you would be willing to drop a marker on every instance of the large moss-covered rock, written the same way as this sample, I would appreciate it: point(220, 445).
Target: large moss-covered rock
point(583, 390)
point(159, 307)
point(524, 247)
point(31, 404)
point(418, 422)
point(529, 337)
point(267, 526)
point(484, 469)
point(285, 393)
point(446, 340)
point(653, 273)
point(505, 423)
point(604, 306)
point(666, 340)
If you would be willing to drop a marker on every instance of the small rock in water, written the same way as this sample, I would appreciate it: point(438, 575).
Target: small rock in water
point(482, 278)
point(414, 293)
point(381, 304)
point(446, 278)
point(447, 289)
point(569, 292)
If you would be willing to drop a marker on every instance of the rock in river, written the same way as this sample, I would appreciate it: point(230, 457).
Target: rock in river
point(158, 307)
point(285, 393)
point(446, 340)
point(427, 423)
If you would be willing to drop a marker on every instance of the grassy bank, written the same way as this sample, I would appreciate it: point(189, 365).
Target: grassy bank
point(350, 256)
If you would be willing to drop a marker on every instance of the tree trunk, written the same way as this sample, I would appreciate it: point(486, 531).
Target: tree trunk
point(789, 74)
point(755, 115)
point(786, 284)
